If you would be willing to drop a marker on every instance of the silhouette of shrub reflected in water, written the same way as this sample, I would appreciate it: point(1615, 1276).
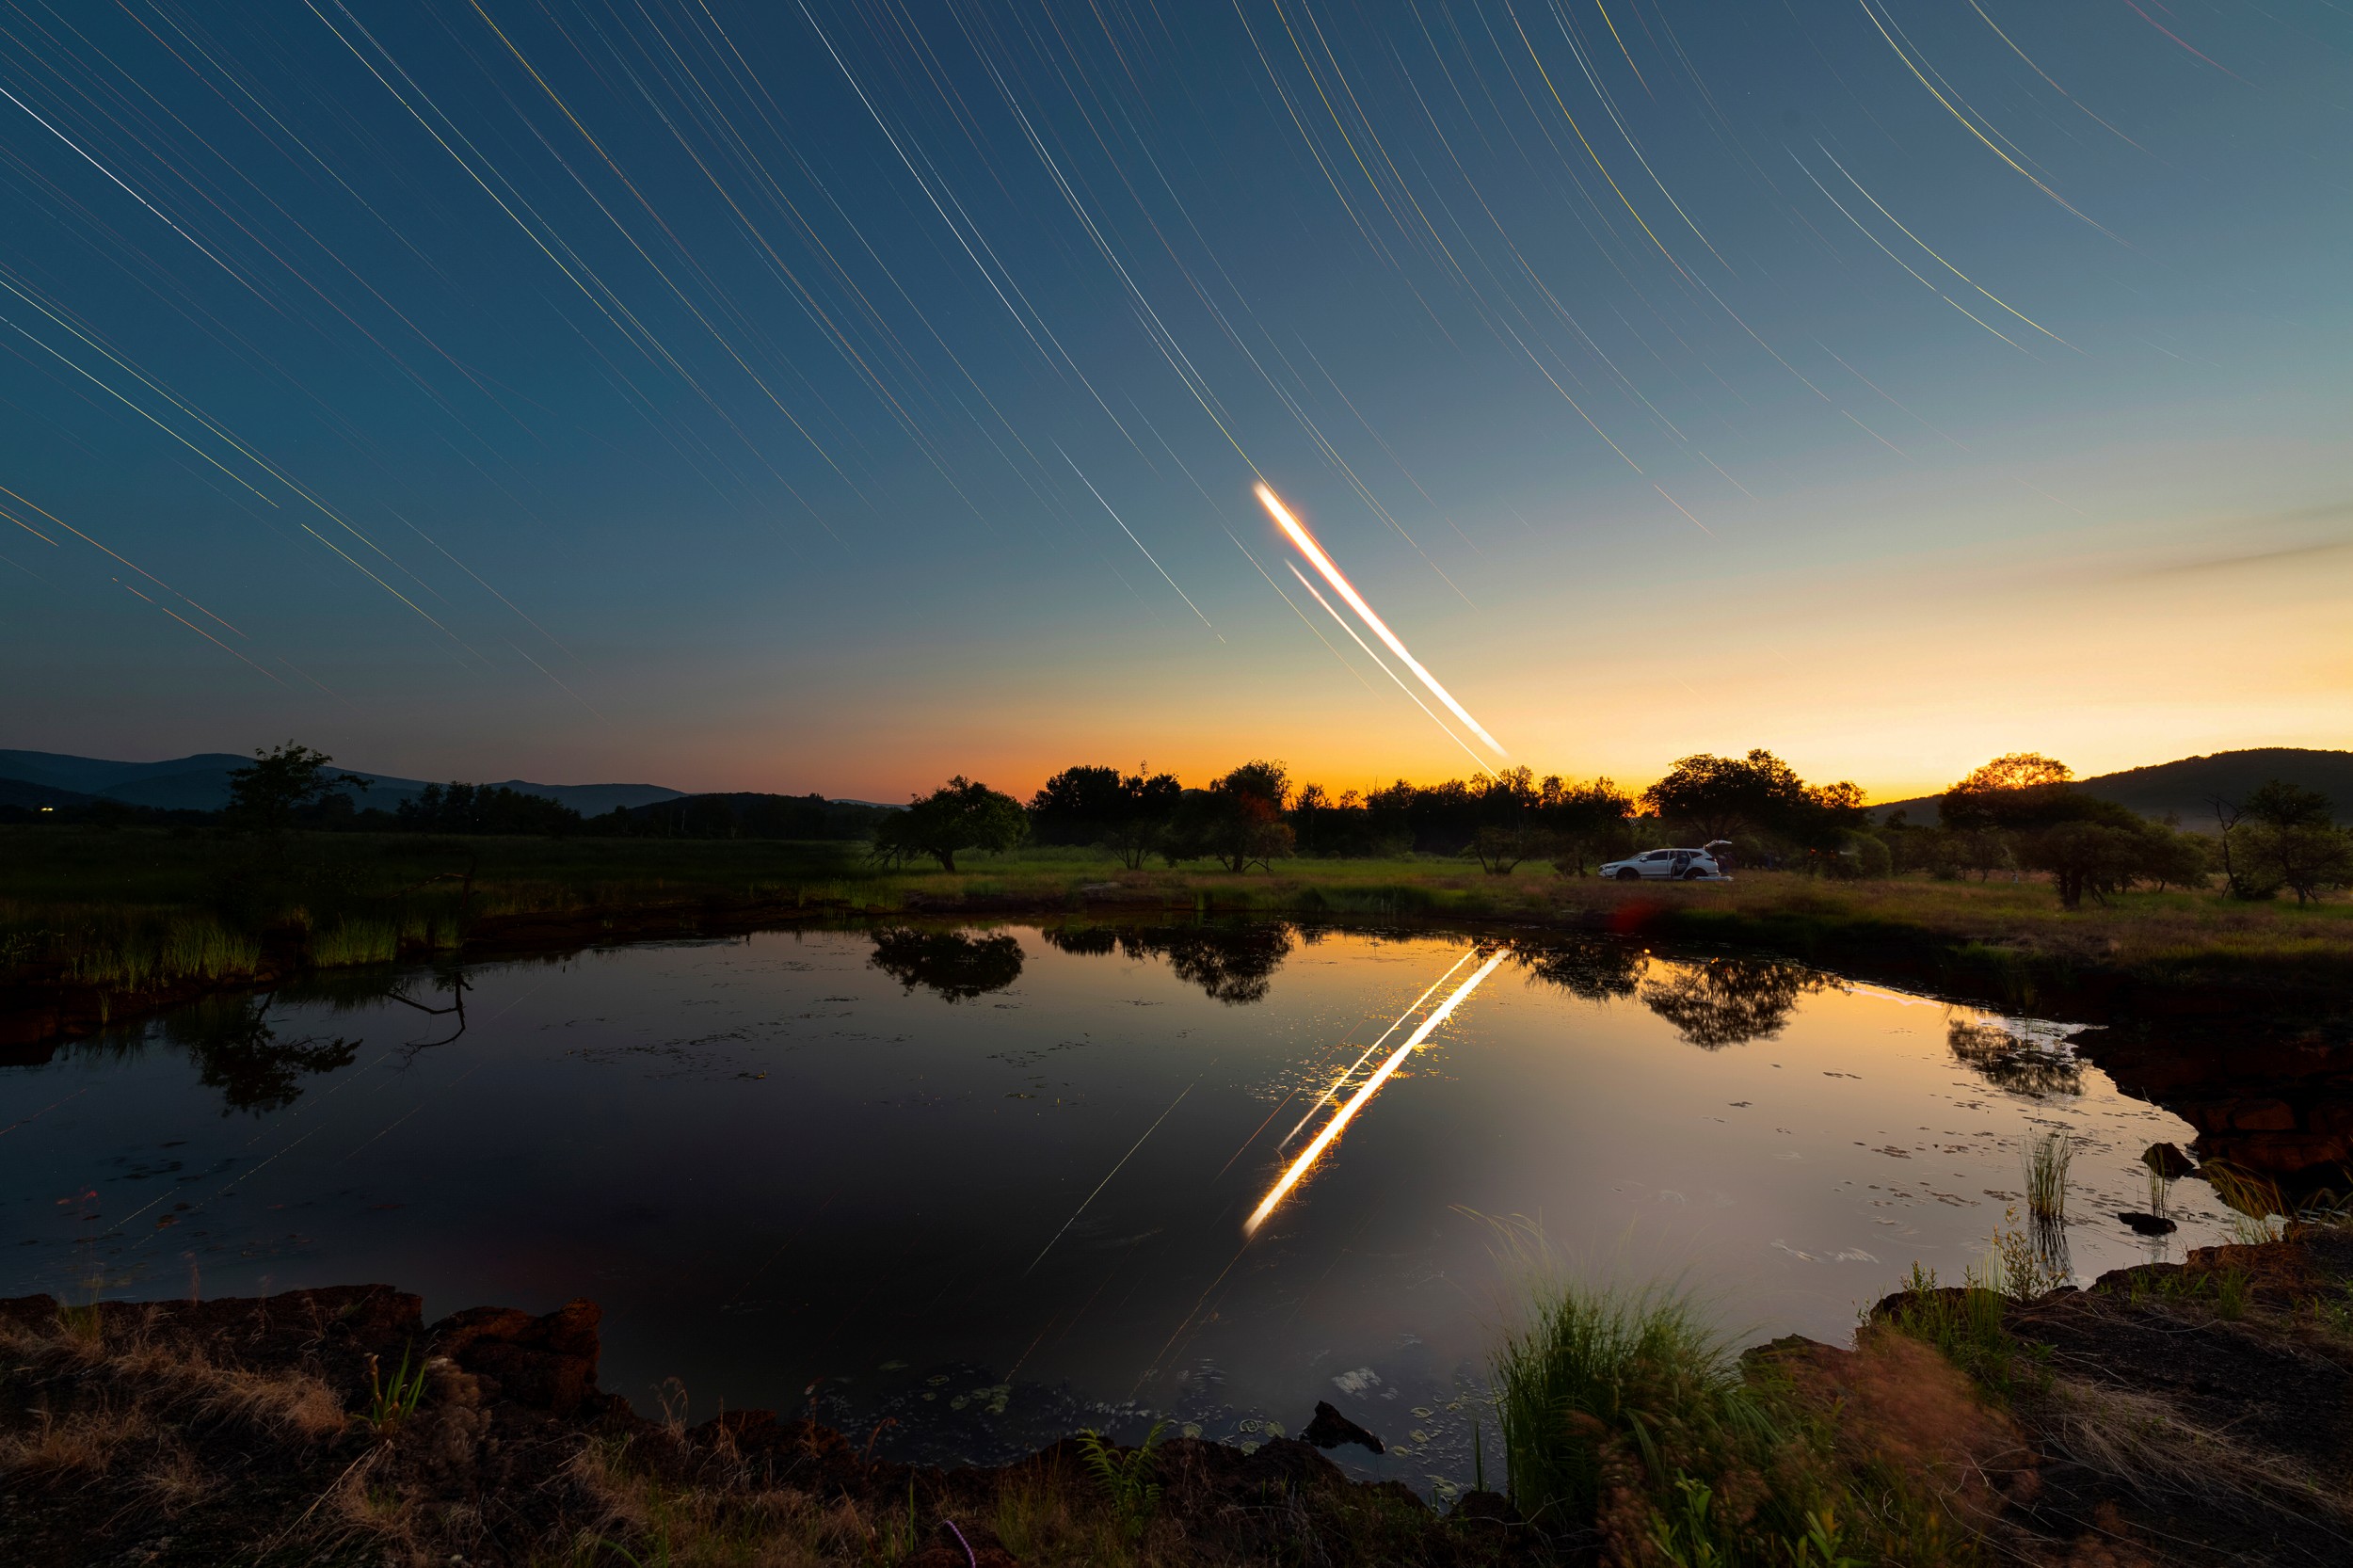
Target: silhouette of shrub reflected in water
point(1726, 1001)
point(957, 966)
point(238, 1052)
point(1592, 971)
point(2009, 1063)
point(1232, 963)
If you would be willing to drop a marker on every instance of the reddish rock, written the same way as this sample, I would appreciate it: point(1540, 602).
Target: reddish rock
point(546, 1363)
point(2262, 1115)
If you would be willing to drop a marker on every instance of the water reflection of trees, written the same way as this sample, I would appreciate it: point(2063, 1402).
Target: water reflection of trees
point(957, 966)
point(1234, 963)
point(1596, 970)
point(237, 1050)
point(1724, 1001)
point(2010, 1063)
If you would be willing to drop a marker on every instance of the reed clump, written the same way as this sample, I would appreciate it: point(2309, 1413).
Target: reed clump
point(2048, 1158)
point(1629, 1425)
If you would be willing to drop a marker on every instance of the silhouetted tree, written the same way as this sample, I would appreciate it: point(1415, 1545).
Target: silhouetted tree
point(1725, 1002)
point(264, 794)
point(2010, 1063)
point(2021, 791)
point(1498, 849)
point(1585, 822)
point(1238, 820)
point(238, 1052)
point(1233, 963)
point(2089, 846)
point(961, 814)
point(1596, 970)
point(1126, 813)
point(1719, 797)
point(481, 808)
point(958, 967)
point(2288, 838)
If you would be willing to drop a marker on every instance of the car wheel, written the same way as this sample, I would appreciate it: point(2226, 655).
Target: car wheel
point(1629, 874)
point(1693, 874)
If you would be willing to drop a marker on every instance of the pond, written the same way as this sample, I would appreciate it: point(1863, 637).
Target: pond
point(965, 1190)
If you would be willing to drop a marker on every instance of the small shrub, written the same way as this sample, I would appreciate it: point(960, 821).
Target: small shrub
point(1126, 1477)
point(388, 1404)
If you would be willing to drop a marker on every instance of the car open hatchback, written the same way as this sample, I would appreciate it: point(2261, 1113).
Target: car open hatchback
point(1671, 865)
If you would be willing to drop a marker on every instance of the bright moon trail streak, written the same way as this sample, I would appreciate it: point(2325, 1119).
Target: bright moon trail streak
point(1343, 622)
point(1372, 1086)
point(1323, 562)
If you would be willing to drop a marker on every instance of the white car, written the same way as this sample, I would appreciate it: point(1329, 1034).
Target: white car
point(1666, 864)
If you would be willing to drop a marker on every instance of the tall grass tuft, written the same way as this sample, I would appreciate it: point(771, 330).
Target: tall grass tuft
point(2255, 1201)
point(1965, 1326)
point(2047, 1159)
point(1596, 1362)
point(350, 941)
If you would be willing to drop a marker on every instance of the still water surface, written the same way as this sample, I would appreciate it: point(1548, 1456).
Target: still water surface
point(993, 1184)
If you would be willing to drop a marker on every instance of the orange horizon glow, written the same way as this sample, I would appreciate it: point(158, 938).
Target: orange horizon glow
point(1356, 1101)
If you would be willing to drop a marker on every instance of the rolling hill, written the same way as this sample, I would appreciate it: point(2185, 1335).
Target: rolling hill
point(2183, 788)
point(200, 783)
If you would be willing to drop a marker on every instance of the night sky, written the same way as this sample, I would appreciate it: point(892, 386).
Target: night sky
point(837, 397)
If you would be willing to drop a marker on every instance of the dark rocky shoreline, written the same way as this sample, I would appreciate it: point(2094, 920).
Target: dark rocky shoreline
point(2186, 1413)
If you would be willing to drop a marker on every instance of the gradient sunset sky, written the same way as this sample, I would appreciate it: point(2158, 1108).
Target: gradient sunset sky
point(832, 398)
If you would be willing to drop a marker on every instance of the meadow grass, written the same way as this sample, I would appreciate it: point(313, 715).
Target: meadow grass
point(129, 909)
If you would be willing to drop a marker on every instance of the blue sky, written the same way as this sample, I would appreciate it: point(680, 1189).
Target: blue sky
point(825, 397)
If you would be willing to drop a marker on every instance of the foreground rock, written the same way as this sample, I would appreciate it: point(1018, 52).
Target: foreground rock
point(2199, 1412)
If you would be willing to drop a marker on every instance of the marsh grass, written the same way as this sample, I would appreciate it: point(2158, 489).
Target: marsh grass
point(1596, 1362)
point(2048, 1158)
point(1629, 1427)
point(1964, 1326)
point(124, 947)
point(2258, 1209)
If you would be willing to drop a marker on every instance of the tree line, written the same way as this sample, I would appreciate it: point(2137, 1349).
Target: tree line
point(2019, 813)
point(1255, 815)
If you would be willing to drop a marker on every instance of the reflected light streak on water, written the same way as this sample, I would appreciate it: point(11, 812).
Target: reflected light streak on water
point(1372, 1086)
point(1338, 1084)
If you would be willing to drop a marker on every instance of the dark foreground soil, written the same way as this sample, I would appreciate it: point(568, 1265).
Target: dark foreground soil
point(2197, 1414)
point(255, 1430)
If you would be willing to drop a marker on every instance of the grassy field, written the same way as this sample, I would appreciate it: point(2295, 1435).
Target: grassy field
point(136, 910)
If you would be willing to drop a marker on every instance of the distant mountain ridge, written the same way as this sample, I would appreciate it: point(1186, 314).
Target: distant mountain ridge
point(2183, 787)
point(200, 783)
